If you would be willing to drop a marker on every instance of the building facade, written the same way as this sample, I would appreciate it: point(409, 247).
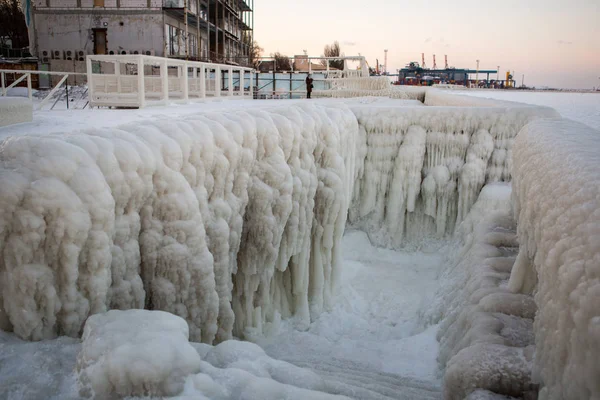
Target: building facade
point(65, 31)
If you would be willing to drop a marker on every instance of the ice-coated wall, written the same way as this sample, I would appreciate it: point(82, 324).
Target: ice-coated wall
point(424, 167)
point(203, 216)
point(556, 199)
point(231, 221)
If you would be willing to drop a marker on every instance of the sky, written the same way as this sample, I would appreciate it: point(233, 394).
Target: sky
point(554, 43)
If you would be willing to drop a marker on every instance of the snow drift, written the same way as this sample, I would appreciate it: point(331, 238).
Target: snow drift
point(556, 199)
point(486, 338)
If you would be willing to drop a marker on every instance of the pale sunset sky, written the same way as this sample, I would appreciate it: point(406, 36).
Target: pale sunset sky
point(554, 43)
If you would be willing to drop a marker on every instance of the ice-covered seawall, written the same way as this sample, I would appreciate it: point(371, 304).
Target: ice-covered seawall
point(556, 200)
point(204, 217)
point(424, 167)
point(231, 221)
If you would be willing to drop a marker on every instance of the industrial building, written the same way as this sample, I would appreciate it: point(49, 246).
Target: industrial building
point(418, 74)
point(63, 32)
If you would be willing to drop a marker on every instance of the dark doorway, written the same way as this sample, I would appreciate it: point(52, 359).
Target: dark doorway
point(100, 41)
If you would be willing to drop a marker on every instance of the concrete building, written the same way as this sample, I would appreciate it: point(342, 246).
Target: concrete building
point(63, 32)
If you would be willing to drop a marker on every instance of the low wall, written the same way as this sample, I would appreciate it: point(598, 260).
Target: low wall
point(205, 216)
point(556, 199)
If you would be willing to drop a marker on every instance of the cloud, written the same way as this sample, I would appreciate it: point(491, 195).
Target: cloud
point(348, 43)
point(564, 42)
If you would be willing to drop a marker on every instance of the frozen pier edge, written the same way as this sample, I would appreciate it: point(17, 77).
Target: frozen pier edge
point(233, 220)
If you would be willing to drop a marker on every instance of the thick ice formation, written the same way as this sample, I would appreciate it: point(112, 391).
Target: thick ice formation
point(201, 217)
point(486, 337)
point(556, 198)
point(135, 353)
point(424, 166)
point(230, 221)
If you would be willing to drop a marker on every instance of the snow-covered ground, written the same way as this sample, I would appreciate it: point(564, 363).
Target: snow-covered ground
point(581, 107)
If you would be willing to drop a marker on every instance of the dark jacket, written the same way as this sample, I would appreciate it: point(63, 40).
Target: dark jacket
point(309, 84)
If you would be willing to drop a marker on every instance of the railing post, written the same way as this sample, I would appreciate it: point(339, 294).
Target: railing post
point(230, 81)
point(195, 78)
point(90, 83)
point(3, 85)
point(217, 82)
point(242, 91)
point(29, 92)
point(141, 83)
point(118, 75)
point(164, 81)
point(184, 81)
point(202, 81)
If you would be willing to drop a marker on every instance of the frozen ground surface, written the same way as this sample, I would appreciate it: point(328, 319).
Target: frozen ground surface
point(372, 344)
point(581, 107)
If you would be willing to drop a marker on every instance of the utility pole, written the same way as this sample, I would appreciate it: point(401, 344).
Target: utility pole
point(477, 75)
point(423, 60)
point(446, 61)
point(434, 63)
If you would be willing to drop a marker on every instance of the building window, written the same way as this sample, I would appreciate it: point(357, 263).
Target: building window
point(193, 45)
point(173, 40)
point(98, 3)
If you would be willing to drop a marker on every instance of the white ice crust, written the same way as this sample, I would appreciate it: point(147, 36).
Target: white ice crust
point(201, 217)
point(230, 220)
point(556, 198)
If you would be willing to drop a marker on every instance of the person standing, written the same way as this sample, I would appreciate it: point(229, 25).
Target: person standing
point(309, 86)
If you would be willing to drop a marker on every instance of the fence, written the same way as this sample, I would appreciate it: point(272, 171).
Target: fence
point(26, 75)
point(138, 81)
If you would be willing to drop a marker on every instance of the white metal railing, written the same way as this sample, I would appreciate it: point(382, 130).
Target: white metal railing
point(26, 74)
point(138, 81)
point(305, 64)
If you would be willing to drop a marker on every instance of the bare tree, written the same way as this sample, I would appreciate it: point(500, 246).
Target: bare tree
point(255, 53)
point(333, 50)
point(12, 24)
point(282, 62)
